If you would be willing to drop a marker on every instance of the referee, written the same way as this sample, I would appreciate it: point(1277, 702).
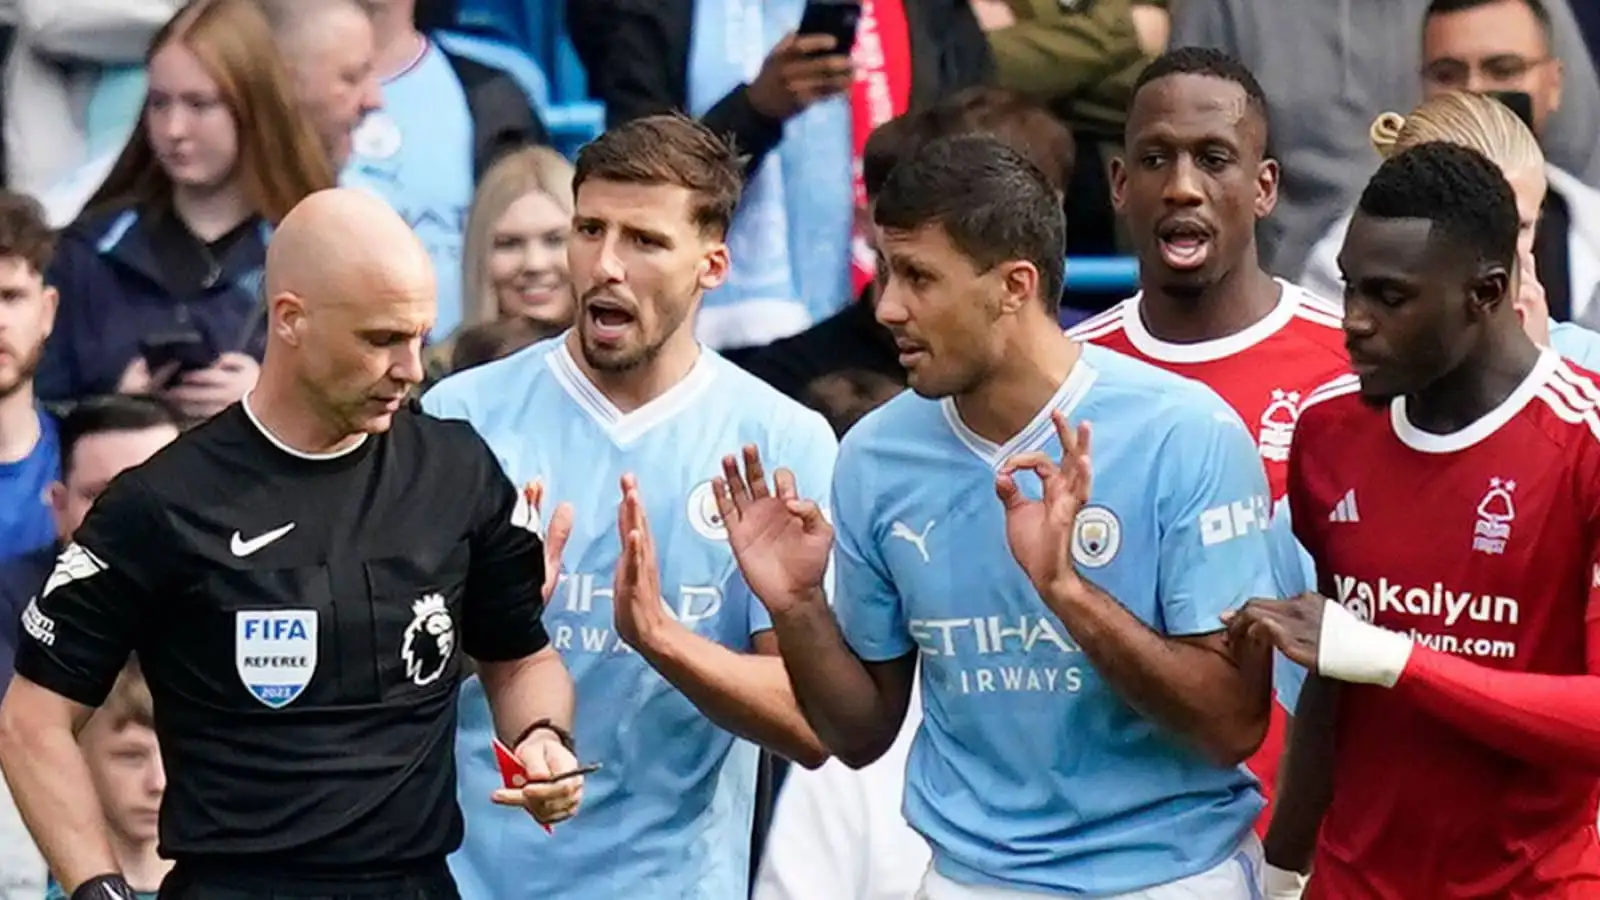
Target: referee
point(299, 577)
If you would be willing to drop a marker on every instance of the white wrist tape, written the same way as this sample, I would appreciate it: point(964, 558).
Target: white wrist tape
point(1356, 651)
point(1283, 884)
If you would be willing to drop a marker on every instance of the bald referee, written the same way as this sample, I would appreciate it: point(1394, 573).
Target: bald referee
point(299, 576)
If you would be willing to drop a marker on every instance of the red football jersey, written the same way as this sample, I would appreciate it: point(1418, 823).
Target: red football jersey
point(1483, 544)
point(1264, 372)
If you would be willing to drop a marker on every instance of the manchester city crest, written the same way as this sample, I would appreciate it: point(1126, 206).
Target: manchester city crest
point(1096, 537)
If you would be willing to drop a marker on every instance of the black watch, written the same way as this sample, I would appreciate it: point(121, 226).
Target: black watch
point(104, 887)
point(562, 735)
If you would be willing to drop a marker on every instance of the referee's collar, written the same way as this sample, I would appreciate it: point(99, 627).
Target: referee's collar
point(298, 454)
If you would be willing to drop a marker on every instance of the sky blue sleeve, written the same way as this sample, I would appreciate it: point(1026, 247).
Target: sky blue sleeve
point(1215, 552)
point(865, 599)
point(1295, 574)
point(809, 453)
point(1576, 343)
point(445, 401)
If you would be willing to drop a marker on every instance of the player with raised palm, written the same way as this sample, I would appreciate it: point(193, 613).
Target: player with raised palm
point(1083, 714)
point(781, 540)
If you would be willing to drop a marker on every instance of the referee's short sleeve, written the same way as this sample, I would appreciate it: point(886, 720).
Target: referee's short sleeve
point(78, 631)
point(503, 611)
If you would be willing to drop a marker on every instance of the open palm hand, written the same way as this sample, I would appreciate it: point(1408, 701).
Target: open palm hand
point(638, 613)
point(556, 533)
point(781, 541)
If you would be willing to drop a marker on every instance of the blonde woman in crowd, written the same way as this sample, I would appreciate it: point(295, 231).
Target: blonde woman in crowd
point(1488, 126)
point(514, 256)
point(159, 277)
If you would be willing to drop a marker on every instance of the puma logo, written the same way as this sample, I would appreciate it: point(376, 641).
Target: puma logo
point(918, 540)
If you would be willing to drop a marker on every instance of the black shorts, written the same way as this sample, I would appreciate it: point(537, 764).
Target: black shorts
point(430, 882)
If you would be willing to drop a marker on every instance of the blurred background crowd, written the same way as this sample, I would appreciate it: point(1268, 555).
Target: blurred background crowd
point(163, 141)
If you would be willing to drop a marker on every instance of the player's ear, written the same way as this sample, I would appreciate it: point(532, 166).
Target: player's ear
point(1266, 188)
point(56, 493)
point(1019, 282)
point(1119, 183)
point(52, 302)
point(1490, 290)
point(714, 264)
point(288, 314)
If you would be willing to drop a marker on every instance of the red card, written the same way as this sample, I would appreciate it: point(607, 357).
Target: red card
point(512, 772)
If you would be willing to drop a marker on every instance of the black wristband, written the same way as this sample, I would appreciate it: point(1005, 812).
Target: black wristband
point(104, 887)
point(562, 735)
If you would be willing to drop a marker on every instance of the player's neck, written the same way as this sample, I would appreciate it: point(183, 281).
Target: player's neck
point(1479, 385)
point(139, 863)
point(19, 424)
point(1242, 298)
point(399, 43)
point(209, 214)
point(1011, 396)
point(630, 389)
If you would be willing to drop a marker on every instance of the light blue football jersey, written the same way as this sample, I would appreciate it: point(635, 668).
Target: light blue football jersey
point(1029, 771)
point(1576, 343)
point(1296, 574)
point(416, 153)
point(670, 813)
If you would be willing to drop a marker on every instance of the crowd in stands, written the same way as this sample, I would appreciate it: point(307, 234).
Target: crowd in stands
point(152, 146)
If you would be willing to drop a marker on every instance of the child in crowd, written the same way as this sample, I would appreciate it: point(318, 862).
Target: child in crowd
point(119, 743)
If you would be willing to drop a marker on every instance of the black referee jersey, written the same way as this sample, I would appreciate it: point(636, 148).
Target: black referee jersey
point(300, 621)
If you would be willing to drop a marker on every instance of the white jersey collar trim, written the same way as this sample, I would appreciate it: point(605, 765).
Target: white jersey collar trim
point(1485, 426)
point(273, 439)
point(1039, 430)
point(1139, 336)
point(625, 428)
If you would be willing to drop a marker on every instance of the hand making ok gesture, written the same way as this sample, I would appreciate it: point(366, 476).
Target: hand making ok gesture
point(1040, 532)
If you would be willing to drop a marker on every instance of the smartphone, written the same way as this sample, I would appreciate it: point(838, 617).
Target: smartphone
point(1519, 102)
point(835, 17)
point(186, 348)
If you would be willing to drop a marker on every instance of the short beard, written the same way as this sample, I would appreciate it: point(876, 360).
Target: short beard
point(621, 363)
point(25, 372)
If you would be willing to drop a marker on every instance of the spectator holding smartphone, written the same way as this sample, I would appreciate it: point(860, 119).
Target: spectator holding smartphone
point(799, 107)
point(170, 250)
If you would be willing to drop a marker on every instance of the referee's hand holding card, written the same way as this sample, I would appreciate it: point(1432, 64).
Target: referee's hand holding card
point(549, 784)
point(552, 781)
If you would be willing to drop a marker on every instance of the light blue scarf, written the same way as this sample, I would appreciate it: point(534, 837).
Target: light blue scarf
point(790, 241)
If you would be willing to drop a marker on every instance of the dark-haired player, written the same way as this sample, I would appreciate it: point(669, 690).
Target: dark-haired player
point(657, 627)
point(1449, 493)
point(1192, 182)
point(1083, 718)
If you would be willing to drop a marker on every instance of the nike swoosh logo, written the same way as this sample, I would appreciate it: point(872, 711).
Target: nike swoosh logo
point(242, 547)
